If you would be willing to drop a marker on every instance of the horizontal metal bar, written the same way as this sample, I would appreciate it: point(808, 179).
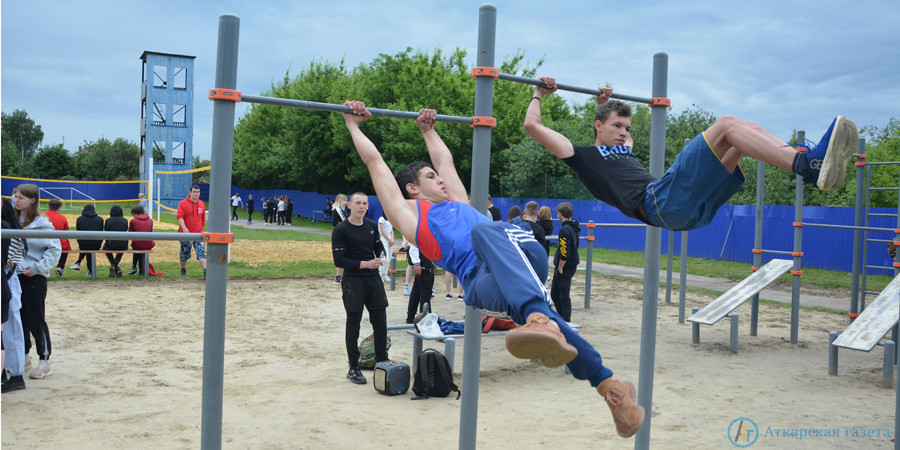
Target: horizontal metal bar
point(882, 215)
point(620, 225)
point(331, 107)
point(566, 87)
point(108, 235)
point(846, 227)
point(777, 252)
point(883, 241)
point(883, 163)
point(880, 267)
point(884, 188)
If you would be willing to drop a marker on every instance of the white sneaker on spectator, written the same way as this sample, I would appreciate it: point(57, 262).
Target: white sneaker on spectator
point(385, 278)
point(406, 289)
point(59, 272)
point(42, 371)
point(76, 266)
point(28, 364)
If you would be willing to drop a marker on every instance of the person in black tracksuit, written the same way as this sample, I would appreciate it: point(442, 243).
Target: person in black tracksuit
point(421, 291)
point(356, 248)
point(88, 221)
point(116, 222)
point(565, 262)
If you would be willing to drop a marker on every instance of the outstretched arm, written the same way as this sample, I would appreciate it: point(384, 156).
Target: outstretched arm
point(440, 156)
point(398, 211)
point(558, 144)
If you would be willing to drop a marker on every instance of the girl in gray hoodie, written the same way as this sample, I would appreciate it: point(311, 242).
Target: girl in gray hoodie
point(40, 258)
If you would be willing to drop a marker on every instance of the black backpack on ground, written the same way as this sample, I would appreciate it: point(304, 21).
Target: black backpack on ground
point(433, 377)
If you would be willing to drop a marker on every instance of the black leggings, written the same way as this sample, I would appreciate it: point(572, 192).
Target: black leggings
point(420, 293)
point(34, 294)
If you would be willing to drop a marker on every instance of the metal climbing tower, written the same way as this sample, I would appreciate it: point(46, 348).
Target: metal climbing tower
point(167, 124)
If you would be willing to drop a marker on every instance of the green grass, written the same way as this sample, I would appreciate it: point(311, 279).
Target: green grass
point(696, 266)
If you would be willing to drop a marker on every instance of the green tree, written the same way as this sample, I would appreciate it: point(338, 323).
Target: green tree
point(10, 157)
point(24, 134)
point(883, 145)
point(53, 162)
point(200, 177)
point(102, 160)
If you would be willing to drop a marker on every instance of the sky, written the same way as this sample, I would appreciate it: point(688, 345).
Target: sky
point(75, 67)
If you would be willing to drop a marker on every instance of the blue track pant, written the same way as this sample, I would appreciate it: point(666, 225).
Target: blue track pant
point(509, 278)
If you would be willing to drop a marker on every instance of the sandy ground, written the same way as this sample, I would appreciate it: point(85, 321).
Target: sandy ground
point(127, 368)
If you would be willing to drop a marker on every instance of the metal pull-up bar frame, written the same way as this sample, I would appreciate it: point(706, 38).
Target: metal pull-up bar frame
point(235, 96)
point(494, 73)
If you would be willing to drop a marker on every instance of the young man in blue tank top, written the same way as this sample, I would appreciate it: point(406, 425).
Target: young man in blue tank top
point(429, 206)
point(705, 174)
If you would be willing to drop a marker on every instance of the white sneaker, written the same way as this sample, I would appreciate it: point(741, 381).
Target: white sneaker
point(406, 289)
point(386, 278)
point(59, 272)
point(42, 371)
point(75, 266)
point(28, 364)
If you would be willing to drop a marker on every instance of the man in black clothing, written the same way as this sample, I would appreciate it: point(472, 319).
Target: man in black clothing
point(494, 210)
point(421, 291)
point(357, 248)
point(88, 221)
point(565, 262)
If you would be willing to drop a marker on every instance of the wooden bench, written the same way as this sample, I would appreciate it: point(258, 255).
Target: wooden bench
point(449, 341)
point(92, 255)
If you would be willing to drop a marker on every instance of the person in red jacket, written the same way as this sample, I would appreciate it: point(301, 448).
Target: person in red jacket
point(59, 223)
point(191, 219)
point(141, 223)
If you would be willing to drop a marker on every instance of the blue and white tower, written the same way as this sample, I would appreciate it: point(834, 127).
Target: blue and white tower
point(167, 125)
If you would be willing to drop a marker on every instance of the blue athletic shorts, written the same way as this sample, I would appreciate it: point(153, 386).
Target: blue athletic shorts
point(184, 253)
point(692, 190)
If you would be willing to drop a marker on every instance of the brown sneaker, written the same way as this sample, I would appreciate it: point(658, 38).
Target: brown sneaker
point(621, 396)
point(540, 339)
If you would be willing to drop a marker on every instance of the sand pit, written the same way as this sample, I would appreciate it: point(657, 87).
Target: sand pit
point(127, 367)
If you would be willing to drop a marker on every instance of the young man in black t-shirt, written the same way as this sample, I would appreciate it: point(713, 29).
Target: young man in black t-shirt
point(565, 262)
point(356, 248)
point(706, 173)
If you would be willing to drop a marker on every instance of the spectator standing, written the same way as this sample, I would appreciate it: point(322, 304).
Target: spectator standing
point(288, 209)
point(235, 203)
point(545, 220)
point(89, 221)
point(265, 210)
point(40, 257)
point(386, 232)
point(338, 215)
point(495, 211)
point(192, 219)
point(249, 208)
point(357, 249)
point(529, 222)
point(61, 224)
point(565, 262)
point(424, 281)
point(282, 207)
point(144, 203)
point(327, 209)
point(13, 335)
point(140, 223)
point(116, 222)
point(514, 213)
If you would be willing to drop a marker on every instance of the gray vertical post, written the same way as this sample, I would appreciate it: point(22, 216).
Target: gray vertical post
point(217, 253)
point(734, 332)
point(832, 353)
point(757, 240)
point(651, 255)
point(695, 327)
point(589, 265)
point(481, 165)
point(393, 272)
point(798, 248)
point(857, 233)
point(670, 249)
point(682, 280)
point(889, 354)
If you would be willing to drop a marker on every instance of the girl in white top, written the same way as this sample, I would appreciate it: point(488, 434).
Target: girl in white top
point(387, 240)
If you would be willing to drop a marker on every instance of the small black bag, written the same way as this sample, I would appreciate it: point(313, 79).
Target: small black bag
point(433, 377)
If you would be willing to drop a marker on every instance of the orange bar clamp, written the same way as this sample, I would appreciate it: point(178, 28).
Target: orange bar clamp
point(218, 238)
point(225, 94)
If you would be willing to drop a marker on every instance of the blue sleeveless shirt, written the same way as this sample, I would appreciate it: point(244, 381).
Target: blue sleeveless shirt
point(444, 234)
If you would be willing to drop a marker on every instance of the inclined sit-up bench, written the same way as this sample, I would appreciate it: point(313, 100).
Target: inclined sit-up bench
point(866, 331)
